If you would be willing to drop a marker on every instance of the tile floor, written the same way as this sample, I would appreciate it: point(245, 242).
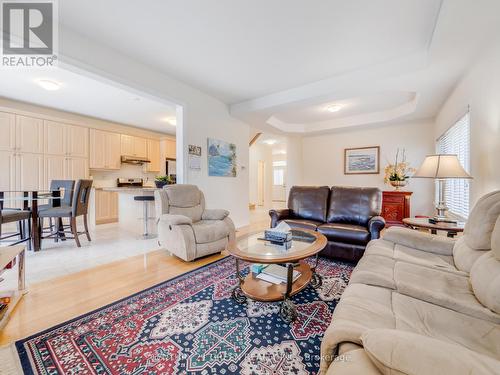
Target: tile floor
point(109, 243)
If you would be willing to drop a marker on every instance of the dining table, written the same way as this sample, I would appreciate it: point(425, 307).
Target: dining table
point(31, 201)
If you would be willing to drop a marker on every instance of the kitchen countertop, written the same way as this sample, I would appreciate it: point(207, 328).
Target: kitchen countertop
point(130, 189)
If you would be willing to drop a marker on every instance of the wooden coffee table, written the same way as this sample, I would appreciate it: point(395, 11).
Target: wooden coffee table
point(451, 229)
point(254, 250)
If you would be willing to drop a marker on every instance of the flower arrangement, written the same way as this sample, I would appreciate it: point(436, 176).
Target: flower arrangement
point(398, 173)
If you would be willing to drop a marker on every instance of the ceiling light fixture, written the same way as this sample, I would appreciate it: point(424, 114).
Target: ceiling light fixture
point(334, 108)
point(171, 120)
point(48, 84)
point(270, 142)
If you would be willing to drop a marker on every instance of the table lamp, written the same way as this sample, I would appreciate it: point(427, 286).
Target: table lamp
point(441, 167)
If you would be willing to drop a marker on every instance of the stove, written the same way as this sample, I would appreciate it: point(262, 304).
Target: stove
point(129, 182)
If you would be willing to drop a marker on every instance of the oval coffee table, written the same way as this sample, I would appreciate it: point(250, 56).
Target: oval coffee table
point(451, 229)
point(305, 243)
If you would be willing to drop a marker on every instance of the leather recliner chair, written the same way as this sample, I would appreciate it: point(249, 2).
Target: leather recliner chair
point(347, 216)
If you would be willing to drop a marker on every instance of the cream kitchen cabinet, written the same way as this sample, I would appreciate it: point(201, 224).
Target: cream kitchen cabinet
point(29, 135)
point(8, 170)
point(105, 150)
point(8, 126)
point(134, 146)
point(68, 140)
point(170, 149)
point(64, 168)
point(153, 156)
point(106, 207)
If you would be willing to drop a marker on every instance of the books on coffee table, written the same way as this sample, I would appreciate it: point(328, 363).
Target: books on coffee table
point(277, 274)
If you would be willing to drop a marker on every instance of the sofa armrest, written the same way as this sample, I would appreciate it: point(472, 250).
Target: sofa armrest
point(214, 214)
point(175, 220)
point(375, 226)
point(278, 215)
point(418, 240)
point(403, 352)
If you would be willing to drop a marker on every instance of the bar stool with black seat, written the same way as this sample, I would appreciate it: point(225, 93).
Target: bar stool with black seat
point(79, 207)
point(145, 199)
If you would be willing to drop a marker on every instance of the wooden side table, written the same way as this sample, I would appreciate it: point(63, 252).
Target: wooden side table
point(7, 254)
point(395, 206)
point(451, 229)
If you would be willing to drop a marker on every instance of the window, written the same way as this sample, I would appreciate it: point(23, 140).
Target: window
point(279, 176)
point(457, 141)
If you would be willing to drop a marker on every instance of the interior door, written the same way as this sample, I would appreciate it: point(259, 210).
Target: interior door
point(261, 170)
point(8, 126)
point(29, 134)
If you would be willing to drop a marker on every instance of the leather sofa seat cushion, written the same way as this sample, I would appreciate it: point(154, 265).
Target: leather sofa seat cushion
point(206, 231)
point(303, 223)
point(308, 202)
point(354, 205)
point(481, 221)
point(350, 233)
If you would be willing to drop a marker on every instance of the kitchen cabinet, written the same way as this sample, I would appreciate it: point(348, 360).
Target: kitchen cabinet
point(170, 149)
point(8, 126)
point(8, 170)
point(153, 156)
point(106, 207)
point(105, 149)
point(29, 135)
point(29, 172)
point(64, 168)
point(68, 140)
point(134, 146)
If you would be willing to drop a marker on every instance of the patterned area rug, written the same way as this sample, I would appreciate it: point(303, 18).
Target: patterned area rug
point(190, 325)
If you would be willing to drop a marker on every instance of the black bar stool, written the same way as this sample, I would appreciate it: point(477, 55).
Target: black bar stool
point(145, 199)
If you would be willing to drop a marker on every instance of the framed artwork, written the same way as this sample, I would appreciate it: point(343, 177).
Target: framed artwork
point(194, 157)
point(221, 158)
point(362, 160)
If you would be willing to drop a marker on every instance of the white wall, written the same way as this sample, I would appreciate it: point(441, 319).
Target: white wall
point(323, 158)
point(262, 152)
point(203, 116)
point(479, 89)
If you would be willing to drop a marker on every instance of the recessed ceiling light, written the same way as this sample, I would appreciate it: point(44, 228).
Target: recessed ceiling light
point(48, 84)
point(334, 108)
point(171, 120)
point(270, 141)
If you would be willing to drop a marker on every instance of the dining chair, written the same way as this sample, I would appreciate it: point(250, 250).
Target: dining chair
point(14, 215)
point(67, 187)
point(79, 207)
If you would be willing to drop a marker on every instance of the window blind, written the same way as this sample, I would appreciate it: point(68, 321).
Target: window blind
point(456, 140)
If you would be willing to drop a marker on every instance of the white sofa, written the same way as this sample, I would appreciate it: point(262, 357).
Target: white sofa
point(422, 304)
point(186, 228)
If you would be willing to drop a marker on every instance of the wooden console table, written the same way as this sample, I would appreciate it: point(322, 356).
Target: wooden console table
point(7, 255)
point(451, 229)
point(395, 206)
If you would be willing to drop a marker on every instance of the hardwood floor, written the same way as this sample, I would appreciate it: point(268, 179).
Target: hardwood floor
point(57, 300)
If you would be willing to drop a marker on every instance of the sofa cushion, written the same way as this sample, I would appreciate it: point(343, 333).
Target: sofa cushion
point(309, 202)
point(363, 307)
point(303, 223)
point(206, 231)
point(407, 254)
point(352, 363)
point(481, 221)
point(400, 352)
point(353, 205)
point(185, 200)
point(464, 256)
point(350, 233)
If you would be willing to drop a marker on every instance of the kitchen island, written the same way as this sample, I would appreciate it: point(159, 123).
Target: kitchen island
point(130, 211)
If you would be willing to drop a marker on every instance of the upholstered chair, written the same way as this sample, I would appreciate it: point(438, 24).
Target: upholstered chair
point(186, 228)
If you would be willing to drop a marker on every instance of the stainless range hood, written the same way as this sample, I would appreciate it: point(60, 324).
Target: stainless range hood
point(137, 160)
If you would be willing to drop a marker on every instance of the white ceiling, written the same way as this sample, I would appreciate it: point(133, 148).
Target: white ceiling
point(85, 95)
point(238, 50)
point(278, 63)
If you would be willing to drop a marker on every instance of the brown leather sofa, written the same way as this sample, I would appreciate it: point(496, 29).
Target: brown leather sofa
point(347, 216)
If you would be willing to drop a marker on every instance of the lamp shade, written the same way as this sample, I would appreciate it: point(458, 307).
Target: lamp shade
point(441, 166)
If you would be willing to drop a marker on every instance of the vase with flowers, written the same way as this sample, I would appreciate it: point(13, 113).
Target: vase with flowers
point(397, 174)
